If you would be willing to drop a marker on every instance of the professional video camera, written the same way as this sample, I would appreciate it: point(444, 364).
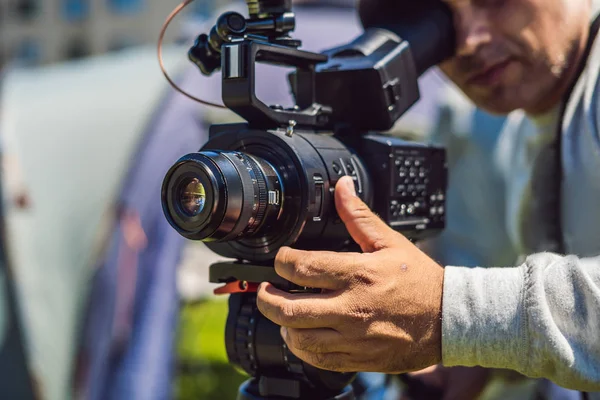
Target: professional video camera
point(269, 182)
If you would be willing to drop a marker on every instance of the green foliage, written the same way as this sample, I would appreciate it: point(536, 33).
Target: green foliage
point(204, 373)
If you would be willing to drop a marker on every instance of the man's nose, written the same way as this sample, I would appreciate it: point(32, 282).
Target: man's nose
point(473, 31)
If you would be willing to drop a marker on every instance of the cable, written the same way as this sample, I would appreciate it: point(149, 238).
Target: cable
point(176, 11)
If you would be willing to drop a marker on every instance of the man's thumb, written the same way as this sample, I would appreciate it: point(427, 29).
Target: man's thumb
point(366, 228)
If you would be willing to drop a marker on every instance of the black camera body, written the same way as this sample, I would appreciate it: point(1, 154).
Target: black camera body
point(403, 182)
point(297, 154)
point(270, 182)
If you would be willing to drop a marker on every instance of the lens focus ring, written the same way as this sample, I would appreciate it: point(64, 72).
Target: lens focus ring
point(220, 196)
point(260, 193)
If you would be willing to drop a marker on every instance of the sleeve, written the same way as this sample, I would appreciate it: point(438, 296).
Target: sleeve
point(541, 319)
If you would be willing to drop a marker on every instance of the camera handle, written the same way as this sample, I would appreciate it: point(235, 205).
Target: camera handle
point(239, 91)
point(240, 281)
point(254, 344)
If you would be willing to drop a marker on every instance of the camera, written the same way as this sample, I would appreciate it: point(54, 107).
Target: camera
point(270, 182)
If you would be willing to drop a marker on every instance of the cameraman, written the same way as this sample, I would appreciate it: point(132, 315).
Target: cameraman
point(392, 308)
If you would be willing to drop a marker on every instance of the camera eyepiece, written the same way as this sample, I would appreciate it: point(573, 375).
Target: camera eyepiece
point(221, 195)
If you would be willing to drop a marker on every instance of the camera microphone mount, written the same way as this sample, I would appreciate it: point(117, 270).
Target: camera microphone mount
point(270, 21)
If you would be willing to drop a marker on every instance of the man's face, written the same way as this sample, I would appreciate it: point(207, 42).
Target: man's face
point(512, 53)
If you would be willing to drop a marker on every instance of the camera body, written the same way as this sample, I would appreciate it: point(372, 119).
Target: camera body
point(269, 182)
point(403, 182)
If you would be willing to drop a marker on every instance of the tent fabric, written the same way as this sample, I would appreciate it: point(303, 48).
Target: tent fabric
point(69, 130)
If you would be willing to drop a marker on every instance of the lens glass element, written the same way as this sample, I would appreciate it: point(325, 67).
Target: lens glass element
point(192, 197)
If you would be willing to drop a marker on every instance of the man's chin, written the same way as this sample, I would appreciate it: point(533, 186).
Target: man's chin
point(496, 109)
point(495, 103)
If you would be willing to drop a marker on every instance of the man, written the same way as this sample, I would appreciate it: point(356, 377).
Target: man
point(394, 309)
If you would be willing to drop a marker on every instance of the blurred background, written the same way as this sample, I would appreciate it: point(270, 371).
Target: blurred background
point(100, 297)
point(80, 85)
point(43, 32)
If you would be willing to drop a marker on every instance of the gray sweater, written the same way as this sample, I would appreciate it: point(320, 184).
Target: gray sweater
point(542, 317)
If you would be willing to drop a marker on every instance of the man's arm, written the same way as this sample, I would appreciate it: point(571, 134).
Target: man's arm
point(541, 319)
point(388, 308)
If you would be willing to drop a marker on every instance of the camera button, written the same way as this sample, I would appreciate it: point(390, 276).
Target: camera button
point(336, 168)
point(350, 169)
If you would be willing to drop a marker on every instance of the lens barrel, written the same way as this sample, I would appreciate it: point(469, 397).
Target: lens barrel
point(260, 191)
point(221, 195)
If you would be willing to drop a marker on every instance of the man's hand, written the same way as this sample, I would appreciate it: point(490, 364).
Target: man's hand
point(379, 310)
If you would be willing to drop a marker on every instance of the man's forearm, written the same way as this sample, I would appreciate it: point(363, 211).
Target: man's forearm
point(541, 319)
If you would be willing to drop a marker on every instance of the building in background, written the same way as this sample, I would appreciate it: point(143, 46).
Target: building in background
point(36, 32)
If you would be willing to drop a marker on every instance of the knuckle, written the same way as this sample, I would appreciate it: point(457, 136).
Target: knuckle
point(263, 302)
point(291, 310)
point(308, 342)
point(361, 210)
point(282, 258)
point(361, 312)
point(301, 270)
point(322, 360)
point(288, 311)
point(326, 361)
point(364, 276)
point(378, 241)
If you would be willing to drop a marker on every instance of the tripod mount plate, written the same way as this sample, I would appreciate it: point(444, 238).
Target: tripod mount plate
point(227, 272)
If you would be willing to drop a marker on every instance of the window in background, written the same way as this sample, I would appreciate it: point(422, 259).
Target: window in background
point(75, 10)
point(28, 53)
point(122, 43)
point(127, 7)
point(77, 49)
point(26, 10)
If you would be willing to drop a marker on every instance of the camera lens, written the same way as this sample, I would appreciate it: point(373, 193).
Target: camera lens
point(192, 197)
point(219, 195)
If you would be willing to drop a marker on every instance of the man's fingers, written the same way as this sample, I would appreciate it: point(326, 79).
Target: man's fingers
point(298, 310)
point(318, 340)
point(366, 228)
point(316, 269)
point(339, 362)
